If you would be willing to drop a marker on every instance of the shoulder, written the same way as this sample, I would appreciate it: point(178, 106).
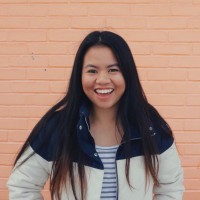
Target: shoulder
point(47, 137)
point(163, 136)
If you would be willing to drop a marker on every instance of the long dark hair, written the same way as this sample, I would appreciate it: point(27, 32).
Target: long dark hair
point(133, 109)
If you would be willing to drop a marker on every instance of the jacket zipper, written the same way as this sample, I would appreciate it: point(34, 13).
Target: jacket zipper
point(116, 154)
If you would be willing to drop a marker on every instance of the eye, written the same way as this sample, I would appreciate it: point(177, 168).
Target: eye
point(114, 70)
point(92, 71)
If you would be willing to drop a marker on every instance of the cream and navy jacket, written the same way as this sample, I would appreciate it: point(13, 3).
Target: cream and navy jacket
point(27, 181)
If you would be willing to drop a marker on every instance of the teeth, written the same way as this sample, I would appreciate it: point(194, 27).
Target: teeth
point(104, 91)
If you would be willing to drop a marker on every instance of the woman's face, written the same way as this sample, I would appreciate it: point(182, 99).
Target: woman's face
point(102, 80)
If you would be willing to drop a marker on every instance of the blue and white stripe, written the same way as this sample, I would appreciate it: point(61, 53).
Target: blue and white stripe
point(108, 156)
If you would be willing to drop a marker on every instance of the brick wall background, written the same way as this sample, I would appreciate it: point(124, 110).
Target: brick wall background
point(38, 41)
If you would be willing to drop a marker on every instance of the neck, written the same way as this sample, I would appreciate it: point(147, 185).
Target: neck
point(103, 116)
point(103, 126)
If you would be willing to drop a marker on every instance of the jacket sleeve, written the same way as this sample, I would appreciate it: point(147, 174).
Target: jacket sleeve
point(27, 181)
point(170, 176)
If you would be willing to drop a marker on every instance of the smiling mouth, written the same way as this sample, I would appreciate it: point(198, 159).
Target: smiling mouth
point(104, 91)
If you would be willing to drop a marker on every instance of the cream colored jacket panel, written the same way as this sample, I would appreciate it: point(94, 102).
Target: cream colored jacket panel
point(27, 181)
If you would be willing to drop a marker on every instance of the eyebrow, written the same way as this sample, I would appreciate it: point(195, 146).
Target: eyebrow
point(91, 65)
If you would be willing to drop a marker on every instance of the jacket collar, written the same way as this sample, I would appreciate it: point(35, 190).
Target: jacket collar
point(84, 112)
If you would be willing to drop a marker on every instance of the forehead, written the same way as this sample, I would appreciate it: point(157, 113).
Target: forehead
point(102, 54)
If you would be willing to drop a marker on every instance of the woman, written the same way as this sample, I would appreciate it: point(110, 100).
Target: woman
point(103, 140)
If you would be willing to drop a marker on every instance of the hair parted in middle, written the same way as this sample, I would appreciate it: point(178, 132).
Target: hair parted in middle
point(133, 110)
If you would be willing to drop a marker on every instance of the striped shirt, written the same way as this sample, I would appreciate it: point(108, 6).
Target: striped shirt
point(109, 187)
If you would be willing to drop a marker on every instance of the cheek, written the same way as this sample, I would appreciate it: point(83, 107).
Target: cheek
point(86, 82)
point(120, 82)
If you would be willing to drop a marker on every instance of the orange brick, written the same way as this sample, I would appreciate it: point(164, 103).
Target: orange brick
point(61, 60)
point(3, 35)
point(27, 111)
point(193, 99)
point(166, 74)
point(13, 48)
point(38, 87)
point(12, 74)
point(3, 10)
point(194, 75)
point(104, 9)
point(48, 48)
point(189, 149)
point(167, 99)
point(192, 173)
point(171, 49)
point(4, 111)
point(139, 48)
point(188, 137)
point(4, 61)
point(12, 99)
point(142, 74)
point(196, 1)
point(66, 35)
point(87, 22)
point(196, 47)
point(3, 135)
point(181, 87)
point(177, 2)
point(5, 171)
point(192, 184)
point(14, 22)
point(13, 1)
point(180, 112)
point(176, 124)
point(185, 9)
point(3, 182)
point(28, 61)
point(194, 22)
point(27, 10)
point(151, 87)
point(49, 74)
point(192, 124)
point(50, 22)
point(151, 61)
point(150, 9)
point(48, 1)
point(7, 159)
point(67, 9)
point(190, 160)
point(125, 22)
point(43, 99)
point(18, 136)
point(58, 87)
point(32, 122)
point(166, 23)
point(184, 62)
point(5, 86)
point(4, 194)
point(26, 35)
point(184, 36)
point(9, 148)
point(10, 124)
point(114, 1)
point(194, 195)
point(144, 35)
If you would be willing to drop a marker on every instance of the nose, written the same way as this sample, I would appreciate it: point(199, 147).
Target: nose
point(103, 78)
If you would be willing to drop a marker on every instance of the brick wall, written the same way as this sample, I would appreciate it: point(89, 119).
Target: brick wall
point(38, 41)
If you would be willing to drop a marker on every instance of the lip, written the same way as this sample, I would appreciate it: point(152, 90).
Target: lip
point(103, 96)
point(104, 89)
